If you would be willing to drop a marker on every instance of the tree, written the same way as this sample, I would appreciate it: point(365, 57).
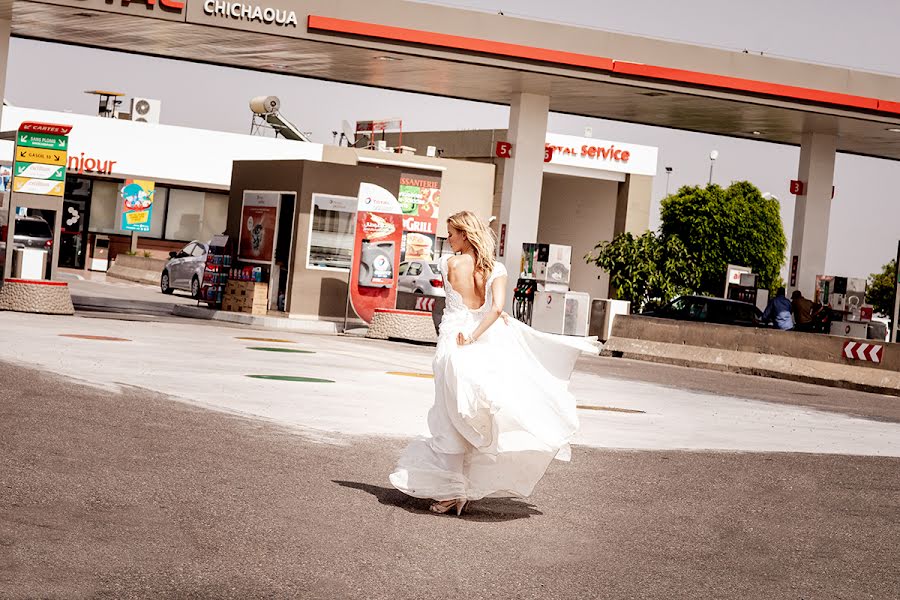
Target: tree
point(880, 292)
point(718, 227)
point(648, 270)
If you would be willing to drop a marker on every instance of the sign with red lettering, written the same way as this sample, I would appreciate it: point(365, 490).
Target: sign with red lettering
point(590, 153)
point(797, 187)
point(795, 260)
point(502, 239)
point(503, 150)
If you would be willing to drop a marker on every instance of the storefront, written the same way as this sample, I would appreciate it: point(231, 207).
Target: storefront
point(190, 170)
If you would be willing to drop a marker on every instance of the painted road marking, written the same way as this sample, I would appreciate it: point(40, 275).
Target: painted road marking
point(261, 339)
point(290, 378)
point(281, 350)
point(611, 409)
point(402, 374)
point(104, 338)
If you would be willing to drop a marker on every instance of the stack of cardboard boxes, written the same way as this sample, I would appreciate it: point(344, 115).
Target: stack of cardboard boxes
point(246, 297)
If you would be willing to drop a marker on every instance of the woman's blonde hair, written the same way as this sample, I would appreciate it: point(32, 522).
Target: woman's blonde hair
point(479, 235)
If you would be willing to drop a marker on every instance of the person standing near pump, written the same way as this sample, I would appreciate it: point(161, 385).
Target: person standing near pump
point(779, 311)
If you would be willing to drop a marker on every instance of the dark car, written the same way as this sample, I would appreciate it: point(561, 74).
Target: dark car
point(710, 310)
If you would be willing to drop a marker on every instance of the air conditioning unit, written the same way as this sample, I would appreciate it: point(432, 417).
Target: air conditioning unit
point(145, 110)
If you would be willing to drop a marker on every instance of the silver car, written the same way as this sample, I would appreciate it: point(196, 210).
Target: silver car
point(184, 271)
point(421, 277)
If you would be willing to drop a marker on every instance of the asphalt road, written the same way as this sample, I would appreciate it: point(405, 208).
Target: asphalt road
point(126, 495)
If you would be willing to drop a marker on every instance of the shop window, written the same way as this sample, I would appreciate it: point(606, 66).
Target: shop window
point(332, 231)
point(195, 215)
point(106, 209)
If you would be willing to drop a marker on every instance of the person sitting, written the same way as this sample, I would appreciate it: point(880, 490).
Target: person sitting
point(808, 316)
point(779, 311)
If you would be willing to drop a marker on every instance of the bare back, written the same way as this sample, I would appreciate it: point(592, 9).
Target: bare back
point(468, 283)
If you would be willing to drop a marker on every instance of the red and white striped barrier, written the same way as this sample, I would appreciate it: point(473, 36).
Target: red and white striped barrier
point(863, 351)
point(425, 304)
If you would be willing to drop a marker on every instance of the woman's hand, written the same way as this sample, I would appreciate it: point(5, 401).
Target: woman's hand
point(463, 340)
point(505, 317)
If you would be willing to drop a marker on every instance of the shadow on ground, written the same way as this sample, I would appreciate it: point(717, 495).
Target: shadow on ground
point(486, 510)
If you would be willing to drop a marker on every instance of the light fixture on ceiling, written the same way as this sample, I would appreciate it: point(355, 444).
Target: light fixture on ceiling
point(387, 58)
point(894, 129)
point(756, 132)
point(278, 66)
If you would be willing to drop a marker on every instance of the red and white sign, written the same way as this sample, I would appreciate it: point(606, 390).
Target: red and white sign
point(797, 187)
point(426, 304)
point(863, 351)
point(502, 240)
point(591, 153)
point(503, 150)
point(49, 128)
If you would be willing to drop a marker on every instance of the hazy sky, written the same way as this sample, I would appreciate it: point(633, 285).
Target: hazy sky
point(865, 220)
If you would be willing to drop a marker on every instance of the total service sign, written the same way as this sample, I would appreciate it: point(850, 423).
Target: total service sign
point(591, 153)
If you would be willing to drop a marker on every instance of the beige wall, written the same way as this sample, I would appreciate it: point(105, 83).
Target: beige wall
point(579, 212)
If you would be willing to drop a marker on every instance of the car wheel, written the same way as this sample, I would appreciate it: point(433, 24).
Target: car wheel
point(195, 287)
point(164, 283)
point(419, 292)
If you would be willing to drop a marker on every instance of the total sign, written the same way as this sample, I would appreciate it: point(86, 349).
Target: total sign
point(590, 153)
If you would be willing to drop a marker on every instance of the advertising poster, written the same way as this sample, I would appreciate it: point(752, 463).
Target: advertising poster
point(420, 201)
point(259, 224)
point(419, 237)
point(376, 251)
point(137, 204)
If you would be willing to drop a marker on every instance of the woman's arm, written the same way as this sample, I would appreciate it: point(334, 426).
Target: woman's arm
point(498, 295)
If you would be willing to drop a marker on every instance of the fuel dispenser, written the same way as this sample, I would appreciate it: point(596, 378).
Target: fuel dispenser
point(542, 297)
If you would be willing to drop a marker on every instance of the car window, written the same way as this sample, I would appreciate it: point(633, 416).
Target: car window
point(199, 250)
point(435, 268)
point(415, 269)
point(33, 228)
point(696, 309)
point(187, 250)
point(403, 268)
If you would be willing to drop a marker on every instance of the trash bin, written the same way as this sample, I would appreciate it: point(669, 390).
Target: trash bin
point(29, 263)
point(100, 253)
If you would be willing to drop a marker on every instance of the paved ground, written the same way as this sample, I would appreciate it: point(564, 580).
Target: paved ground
point(95, 284)
point(119, 495)
point(209, 366)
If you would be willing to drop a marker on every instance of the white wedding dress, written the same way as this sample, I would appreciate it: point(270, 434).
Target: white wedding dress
point(502, 411)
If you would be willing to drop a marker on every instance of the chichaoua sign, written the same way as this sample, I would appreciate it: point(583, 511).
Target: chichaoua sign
point(245, 11)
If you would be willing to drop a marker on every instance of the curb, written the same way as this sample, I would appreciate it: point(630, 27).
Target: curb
point(273, 323)
point(104, 304)
point(755, 370)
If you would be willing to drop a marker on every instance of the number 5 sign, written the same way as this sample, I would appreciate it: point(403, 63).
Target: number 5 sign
point(504, 150)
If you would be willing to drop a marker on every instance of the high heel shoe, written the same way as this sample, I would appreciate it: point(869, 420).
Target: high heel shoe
point(443, 507)
point(460, 505)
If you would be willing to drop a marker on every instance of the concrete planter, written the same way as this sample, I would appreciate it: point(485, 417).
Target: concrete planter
point(44, 297)
point(137, 268)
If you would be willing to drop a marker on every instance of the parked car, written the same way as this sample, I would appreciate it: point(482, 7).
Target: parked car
point(421, 277)
point(31, 232)
point(184, 269)
point(710, 310)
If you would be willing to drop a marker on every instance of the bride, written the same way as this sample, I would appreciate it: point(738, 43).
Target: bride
point(501, 410)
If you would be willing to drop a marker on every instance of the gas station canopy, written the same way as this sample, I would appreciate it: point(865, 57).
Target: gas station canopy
point(442, 51)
